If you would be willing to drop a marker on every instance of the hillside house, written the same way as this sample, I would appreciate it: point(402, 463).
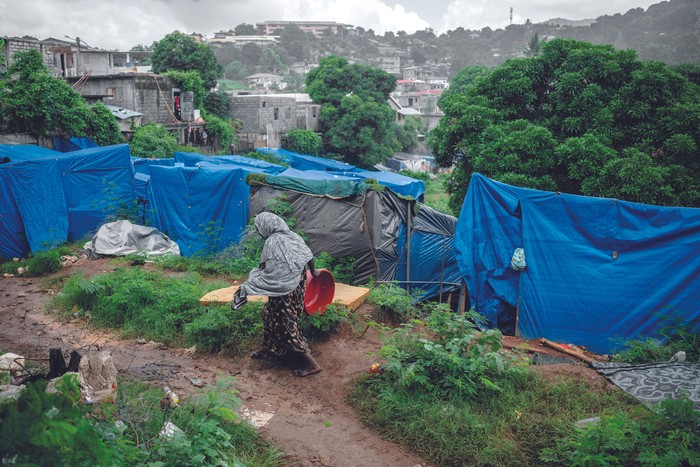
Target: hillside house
point(265, 80)
point(317, 28)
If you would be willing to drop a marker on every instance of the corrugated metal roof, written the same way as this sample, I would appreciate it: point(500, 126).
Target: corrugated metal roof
point(122, 113)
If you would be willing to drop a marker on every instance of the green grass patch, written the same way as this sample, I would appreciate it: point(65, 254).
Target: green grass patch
point(452, 394)
point(57, 429)
point(147, 304)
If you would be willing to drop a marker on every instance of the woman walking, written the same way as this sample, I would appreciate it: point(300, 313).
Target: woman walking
point(281, 276)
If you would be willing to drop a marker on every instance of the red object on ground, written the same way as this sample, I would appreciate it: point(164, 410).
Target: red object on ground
point(319, 291)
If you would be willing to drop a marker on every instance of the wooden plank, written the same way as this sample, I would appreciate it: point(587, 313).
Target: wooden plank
point(348, 295)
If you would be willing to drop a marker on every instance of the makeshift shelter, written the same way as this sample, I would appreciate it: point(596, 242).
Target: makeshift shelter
point(347, 218)
point(47, 198)
point(203, 209)
point(400, 184)
point(597, 270)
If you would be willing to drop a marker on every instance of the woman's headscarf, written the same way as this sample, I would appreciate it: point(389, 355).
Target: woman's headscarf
point(284, 256)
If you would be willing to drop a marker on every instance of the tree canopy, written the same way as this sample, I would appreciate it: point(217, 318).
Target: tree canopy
point(579, 118)
point(179, 52)
point(356, 120)
point(34, 101)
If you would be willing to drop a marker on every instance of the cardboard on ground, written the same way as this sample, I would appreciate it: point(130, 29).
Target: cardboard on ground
point(348, 295)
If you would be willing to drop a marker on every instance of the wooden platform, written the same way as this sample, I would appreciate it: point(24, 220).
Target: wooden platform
point(348, 295)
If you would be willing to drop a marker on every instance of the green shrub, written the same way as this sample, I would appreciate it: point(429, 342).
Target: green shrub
point(221, 329)
point(51, 429)
point(43, 264)
point(424, 176)
point(669, 434)
point(56, 429)
point(395, 301)
point(342, 268)
point(303, 142)
point(677, 336)
point(321, 324)
point(153, 141)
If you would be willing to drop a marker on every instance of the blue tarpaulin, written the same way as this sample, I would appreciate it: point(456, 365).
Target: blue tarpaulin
point(191, 159)
point(307, 162)
point(62, 196)
point(203, 209)
point(13, 239)
point(73, 144)
point(433, 268)
point(598, 270)
point(399, 184)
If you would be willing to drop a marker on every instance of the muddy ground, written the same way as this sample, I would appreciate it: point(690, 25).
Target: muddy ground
point(307, 418)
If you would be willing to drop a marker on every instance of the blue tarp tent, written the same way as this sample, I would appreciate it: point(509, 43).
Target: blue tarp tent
point(13, 240)
point(433, 268)
point(598, 270)
point(399, 184)
point(62, 196)
point(203, 209)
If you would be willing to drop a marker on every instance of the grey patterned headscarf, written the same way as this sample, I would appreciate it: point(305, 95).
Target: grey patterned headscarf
point(284, 256)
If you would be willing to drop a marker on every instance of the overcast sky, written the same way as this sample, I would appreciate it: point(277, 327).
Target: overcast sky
point(121, 24)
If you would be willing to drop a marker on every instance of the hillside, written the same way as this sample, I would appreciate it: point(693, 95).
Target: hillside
point(668, 31)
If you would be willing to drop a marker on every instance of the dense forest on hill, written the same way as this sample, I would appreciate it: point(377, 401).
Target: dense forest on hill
point(668, 32)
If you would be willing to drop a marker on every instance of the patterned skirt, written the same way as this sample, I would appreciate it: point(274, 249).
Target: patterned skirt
point(281, 322)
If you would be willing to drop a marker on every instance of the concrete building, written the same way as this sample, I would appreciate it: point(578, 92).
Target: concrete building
point(266, 118)
point(68, 58)
point(152, 96)
point(317, 28)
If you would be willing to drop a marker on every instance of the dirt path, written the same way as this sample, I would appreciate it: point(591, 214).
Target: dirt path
point(308, 418)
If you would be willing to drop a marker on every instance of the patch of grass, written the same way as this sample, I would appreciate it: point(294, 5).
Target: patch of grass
point(43, 263)
point(436, 195)
point(450, 392)
point(506, 427)
point(147, 304)
point(668, 434)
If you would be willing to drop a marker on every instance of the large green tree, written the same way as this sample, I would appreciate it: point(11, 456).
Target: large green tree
point(178, 51)
point(579, 118)
point(356, 120)
point(34, 101)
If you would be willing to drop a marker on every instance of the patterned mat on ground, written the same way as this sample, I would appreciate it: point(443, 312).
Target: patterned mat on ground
point(654, 382)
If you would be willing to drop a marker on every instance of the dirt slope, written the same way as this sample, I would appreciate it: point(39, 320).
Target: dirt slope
point(307, 418)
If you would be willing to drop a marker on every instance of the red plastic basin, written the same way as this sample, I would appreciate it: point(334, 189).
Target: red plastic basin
point(319, 291)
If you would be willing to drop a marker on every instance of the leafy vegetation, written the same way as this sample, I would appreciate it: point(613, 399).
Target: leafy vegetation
point(667, 434)
point(34, 101)
point(139, 303)
point(178, 51)
point(356, 121)
point(579, 118)
point(56, 429)
point(303, 142)
point(153, 141)
point(448, 391)
point(676, 336)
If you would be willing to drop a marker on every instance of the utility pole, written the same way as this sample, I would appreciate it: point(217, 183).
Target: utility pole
point(511, 15)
